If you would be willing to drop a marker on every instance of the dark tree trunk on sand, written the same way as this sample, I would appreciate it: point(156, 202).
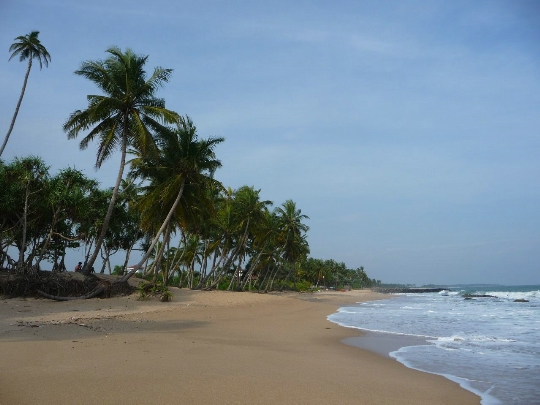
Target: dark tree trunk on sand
point(95, 292)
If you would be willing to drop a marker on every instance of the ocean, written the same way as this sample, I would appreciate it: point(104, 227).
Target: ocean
point(489, 345)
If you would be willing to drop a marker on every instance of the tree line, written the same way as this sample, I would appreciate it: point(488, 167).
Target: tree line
point(193, 231)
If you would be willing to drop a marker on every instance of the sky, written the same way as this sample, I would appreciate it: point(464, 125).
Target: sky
point(408, 131)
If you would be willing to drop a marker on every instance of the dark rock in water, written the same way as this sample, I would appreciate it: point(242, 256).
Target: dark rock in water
point(478, 296)
point(521, 300)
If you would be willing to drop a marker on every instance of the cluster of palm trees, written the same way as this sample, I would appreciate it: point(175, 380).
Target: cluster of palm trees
point(194, 232)
point(332, 274)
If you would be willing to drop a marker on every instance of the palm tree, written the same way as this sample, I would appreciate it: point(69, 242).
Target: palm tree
point(126, 115)
point(292, 235)
point(251, 213)
point(185, 165)
point(292, 239)
point(27, 47)
point(240, 219)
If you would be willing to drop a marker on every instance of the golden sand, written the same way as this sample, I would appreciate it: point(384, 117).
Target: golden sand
point(201, 348)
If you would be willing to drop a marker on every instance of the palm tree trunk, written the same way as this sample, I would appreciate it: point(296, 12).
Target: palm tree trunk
point(230, 260)
point(160, 231)
point(18, 106)
point(272, 278)
point(159, 255)
point(88, 266)
point(20, 265)
point(126, 260)
point(104, 256)
point(176, 264)
point(236, 275)
point(253, 266)
point(203, 282)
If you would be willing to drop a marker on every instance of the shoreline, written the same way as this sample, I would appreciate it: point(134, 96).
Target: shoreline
point(202, 348)
point(383, 343)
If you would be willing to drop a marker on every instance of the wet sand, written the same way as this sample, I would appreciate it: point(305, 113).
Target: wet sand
point(383, 343)
point(202, 348)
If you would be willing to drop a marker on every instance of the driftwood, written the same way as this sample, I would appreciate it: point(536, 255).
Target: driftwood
point(95, 292)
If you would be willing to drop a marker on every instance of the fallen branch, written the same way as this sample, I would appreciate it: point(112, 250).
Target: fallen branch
point(95, 292)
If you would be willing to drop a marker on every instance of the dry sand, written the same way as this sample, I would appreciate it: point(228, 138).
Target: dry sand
point(202, 348)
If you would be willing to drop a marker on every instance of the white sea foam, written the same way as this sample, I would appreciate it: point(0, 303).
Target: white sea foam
point(516, 295)
point(489, 346)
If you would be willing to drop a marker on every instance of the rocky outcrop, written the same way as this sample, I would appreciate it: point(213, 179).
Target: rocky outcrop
point(408, 290)
point(478, 296)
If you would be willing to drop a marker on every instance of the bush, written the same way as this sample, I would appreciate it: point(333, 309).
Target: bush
point(303, 286)
point(150, 289)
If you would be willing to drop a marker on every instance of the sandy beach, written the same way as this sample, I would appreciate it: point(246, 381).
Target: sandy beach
point(201, 348)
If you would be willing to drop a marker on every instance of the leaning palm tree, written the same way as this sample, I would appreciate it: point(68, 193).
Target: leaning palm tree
point(185, 165)
point(126, 115)
point(27, 47)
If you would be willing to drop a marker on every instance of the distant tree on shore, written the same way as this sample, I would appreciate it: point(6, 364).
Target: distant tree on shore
point(27, 47)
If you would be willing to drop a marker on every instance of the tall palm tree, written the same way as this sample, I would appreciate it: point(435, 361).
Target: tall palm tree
point(184, 165)
point(292, 238)
point(27, 47)
point(126, 115)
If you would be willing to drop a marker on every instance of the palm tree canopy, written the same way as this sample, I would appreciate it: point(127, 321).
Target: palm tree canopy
point(183, 159)
point(129, 110)
point(29, 47)
point(292, 236)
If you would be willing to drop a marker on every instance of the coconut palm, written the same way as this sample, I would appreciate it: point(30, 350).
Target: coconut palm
point(27, 47)
point(240, 222)
point(126, 115)
point(292, 238)
point(292, 235)
point(260, 228)
point(184, 165)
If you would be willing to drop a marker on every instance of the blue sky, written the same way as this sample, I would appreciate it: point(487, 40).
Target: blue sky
point(408, 131)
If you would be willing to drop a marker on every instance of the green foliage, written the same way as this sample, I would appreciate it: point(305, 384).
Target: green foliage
point(228, 239)
point(224, 283)
point(166, 296)
point(303, 286)
point(147, 289)
point(30, 47)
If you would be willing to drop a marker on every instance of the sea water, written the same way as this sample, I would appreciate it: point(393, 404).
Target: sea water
point(489, 345)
